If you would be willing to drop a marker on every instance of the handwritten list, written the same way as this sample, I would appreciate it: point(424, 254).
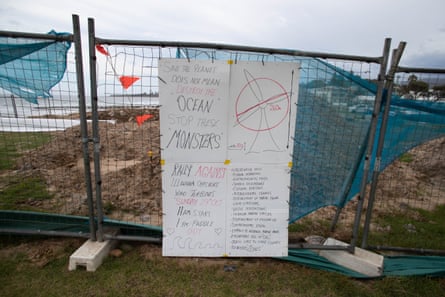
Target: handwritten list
point(257, 213)
point(216, 203)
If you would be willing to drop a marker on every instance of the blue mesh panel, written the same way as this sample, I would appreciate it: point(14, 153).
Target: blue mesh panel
point(333, 120)
point(29, 69)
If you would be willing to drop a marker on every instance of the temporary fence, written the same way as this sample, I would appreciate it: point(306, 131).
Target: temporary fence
point(409, 182)
point(337, 114)
point(109, 171)
point(44, 140)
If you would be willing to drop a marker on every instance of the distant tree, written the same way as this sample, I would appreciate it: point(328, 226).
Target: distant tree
point(401, 89)
point(418, 86)
point(411, 78)
point(317, 83)
point(439, 91)
point(414, 86)
point(338, 80)
point(440, 88)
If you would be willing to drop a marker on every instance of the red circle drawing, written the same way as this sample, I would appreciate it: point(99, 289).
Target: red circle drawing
point(262, 105)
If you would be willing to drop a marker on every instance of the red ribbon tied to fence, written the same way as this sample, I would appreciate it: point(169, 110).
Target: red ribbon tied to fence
point(126, 81)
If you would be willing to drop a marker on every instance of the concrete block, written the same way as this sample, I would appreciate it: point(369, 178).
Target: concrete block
point(362, 261)
point(90, 255)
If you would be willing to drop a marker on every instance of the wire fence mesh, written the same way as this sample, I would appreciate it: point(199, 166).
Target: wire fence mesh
point(37, 144)
point(333, 116)
point(42, 166)
point(410, 190)
point(130, 148)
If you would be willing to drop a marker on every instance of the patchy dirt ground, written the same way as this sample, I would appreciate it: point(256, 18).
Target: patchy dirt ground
point(415, 180)
point(129, 166)
point(40, 252)
point(131, 181)
point(131, 172)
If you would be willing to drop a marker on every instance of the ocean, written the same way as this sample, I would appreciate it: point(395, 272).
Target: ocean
point(18, 115)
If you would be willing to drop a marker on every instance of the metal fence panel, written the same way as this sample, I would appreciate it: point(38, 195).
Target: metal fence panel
point(411, 185)
point(47, 154)
point(334, 116)
point(41, 160)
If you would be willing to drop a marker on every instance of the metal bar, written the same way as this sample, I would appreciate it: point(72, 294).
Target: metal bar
point(43, 232)
point(83, 124)
point(407, 250)
point(134, 238)
point(318, 247)
point(336, 217)
point(11, 34)
point(370, 144)
point(420, 70)
point(348, 184)
point(232, 47)
point(14, 106)
point(397, 55)
point(95, 125)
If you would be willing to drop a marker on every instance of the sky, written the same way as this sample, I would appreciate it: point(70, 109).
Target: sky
point(353, 27)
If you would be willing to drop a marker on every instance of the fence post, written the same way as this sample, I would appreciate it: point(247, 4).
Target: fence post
point(347, 185)
point(397, 55)
point(370, 143)
point(14, 106)
point(95, 124)
point(83, 123)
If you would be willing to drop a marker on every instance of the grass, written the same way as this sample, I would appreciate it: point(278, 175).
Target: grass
point(23, 194)
point(406, 158)
point(18, 192)
point(307, 226)
point(142, 271)
point(32, 267)
point(414, 228)
point(12, 145)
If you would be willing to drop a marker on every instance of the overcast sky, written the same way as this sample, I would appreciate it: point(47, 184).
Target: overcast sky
point(355, 27)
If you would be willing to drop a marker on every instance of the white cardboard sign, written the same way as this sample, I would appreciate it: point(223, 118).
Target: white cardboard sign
point(193, 98)
point(226, 151)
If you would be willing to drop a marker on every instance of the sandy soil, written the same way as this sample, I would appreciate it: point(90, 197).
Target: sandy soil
point(131, 181)
point(131, 174)
point(129, 165)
